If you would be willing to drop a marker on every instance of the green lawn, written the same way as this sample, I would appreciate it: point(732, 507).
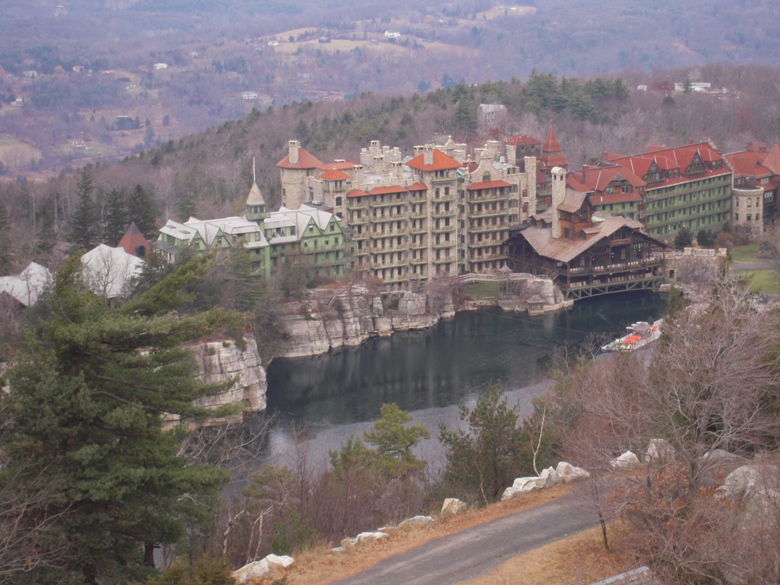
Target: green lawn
point(762, 281)
point(483, 290)
point(744, 253)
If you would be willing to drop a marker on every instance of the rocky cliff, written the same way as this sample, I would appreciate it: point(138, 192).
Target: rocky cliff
point(329, 318)
point(220, 361)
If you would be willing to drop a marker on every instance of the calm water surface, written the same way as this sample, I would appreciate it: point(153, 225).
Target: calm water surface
point(429, 372)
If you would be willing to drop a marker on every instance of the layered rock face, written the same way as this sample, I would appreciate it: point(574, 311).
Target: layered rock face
point(337, 317)
point(220, 361)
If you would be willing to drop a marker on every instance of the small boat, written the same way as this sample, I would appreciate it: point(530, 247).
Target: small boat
point(640, 334)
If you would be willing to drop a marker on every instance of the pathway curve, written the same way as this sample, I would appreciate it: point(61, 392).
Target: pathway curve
point(475, 551)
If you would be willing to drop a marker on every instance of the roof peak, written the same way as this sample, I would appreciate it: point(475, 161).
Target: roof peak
point(551, 144)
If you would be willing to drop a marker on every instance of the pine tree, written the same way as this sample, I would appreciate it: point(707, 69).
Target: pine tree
point(85, 411)
point(141, 208)
point(116, 223)
point(6, 250)
point(83, 223)
point(46, 238)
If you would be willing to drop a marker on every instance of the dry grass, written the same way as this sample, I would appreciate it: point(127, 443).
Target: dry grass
point(320, 565)
point(576, 560)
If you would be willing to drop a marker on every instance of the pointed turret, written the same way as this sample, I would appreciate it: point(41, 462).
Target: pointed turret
point(551, 144)
point(256, 208)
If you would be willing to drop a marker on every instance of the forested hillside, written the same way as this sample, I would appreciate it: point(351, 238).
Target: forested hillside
point(209, 174)
point(70, 72)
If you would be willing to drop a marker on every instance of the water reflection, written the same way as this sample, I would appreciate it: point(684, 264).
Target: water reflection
point(441, 366)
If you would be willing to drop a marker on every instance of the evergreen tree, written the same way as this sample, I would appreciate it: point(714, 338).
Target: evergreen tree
point(86, 411)
point(83, 222)
point(116, 223)
point(46, 238)
point(485, 460)
point(6, 250)
point(186, 207)
point(141, 208)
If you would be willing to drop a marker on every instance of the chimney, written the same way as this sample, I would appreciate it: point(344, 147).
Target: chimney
point(293, 146)
point(428, 155)
point(558, 194)
point(529, 162)
point(511, 154)
point(585, 169)
point(750, 146)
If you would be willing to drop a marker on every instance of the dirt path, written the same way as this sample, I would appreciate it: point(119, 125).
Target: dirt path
point(475, 551)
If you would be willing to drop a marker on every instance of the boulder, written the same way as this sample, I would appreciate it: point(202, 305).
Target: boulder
point(262, 568)
point(569, 473)
point(626, 462)
point(363, 537)
point(252, 572)
point(659, 451)
point(453, 507)
point(523, 485)
point(718, 458)
point(282, 561)
point(747, 480)
point(550, 477)
point(416, 521)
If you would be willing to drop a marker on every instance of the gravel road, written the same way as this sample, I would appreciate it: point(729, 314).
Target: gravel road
point(475, 551)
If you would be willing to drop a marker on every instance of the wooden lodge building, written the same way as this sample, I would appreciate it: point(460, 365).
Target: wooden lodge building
point(586, 255)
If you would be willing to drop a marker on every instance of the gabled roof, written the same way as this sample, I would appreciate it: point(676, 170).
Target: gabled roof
point(356, 193)
point(27, 286)
point(488, 185)
point(599, 178)
point(334, 175)
point(418, 187)
point(255, 197)
point(749, 163)
point(772, 160)
point(573, 201)
point(673, 158)
point(441, 162)
point(566, 250)
point(523, 140)
point(306, 160)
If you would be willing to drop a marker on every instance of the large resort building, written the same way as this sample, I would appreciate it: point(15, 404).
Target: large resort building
point(437, 214)
point(447, 210)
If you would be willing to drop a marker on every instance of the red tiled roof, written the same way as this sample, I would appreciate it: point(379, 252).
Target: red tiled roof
point(772, 160)
point(305, 161)
point(488, 185)
point(542, 178)
point(357, 193)
point(673, 158)
point(551, 144)
point(441, 162)
point(523, 140)
point(610, 156)
point(386, 190)
point(334, 176)
point(133, 240)
point(554, 160)
point(748, 164)
point(418, 187)
point(573, 181)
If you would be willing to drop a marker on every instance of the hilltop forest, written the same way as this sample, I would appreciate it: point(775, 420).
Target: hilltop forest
point(209, 174)
point(91, 80)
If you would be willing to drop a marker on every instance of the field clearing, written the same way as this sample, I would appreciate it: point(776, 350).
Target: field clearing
point(503, 11)
point(744, 253)
point(15, 153)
